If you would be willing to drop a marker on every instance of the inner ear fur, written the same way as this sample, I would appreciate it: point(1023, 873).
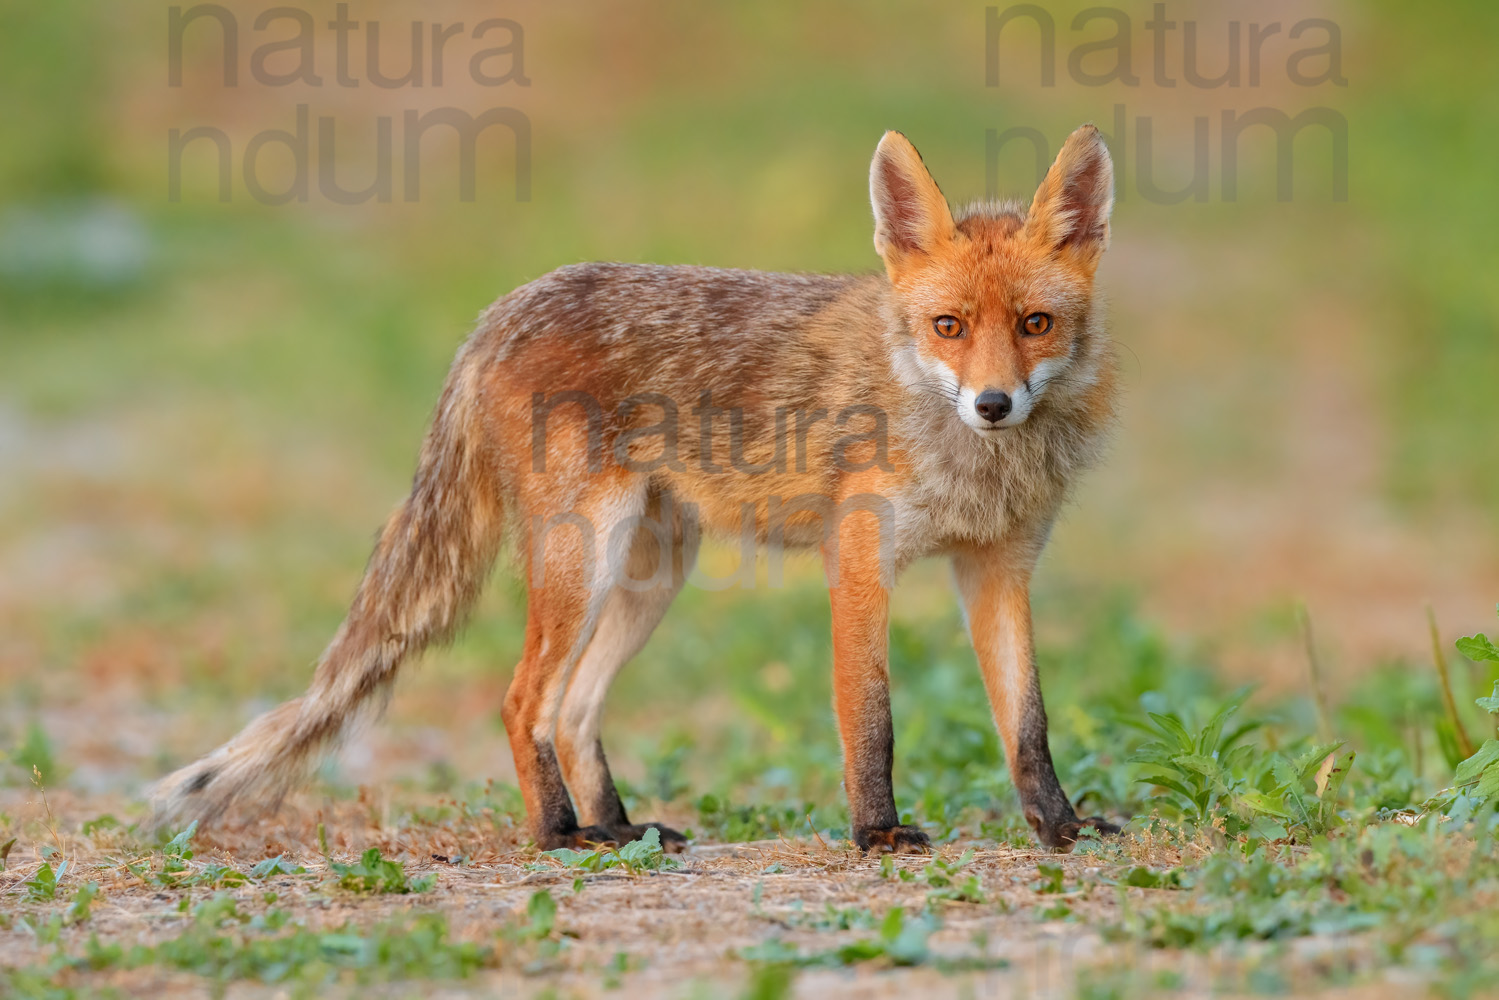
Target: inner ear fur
point(1071, 209)
point(910, 214)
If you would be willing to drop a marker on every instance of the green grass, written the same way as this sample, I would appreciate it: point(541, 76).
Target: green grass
point(900, 941)
point(223, 945)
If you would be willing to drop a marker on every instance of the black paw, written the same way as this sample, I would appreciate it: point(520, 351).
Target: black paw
point(672, 842)
point(583, 838)
point(1063, 836)
point(893, 840)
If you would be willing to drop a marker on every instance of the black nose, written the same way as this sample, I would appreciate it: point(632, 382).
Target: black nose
point(993, 406)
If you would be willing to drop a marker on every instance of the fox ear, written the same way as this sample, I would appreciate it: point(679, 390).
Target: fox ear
point(1071, 207)
point(910, 214)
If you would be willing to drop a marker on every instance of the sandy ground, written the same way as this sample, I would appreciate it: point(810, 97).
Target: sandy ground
point(681, 929)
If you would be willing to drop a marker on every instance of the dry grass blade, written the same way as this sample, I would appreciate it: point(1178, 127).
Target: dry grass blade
point(1464, 744)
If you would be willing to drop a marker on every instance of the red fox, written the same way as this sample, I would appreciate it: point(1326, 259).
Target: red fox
point(606, 416)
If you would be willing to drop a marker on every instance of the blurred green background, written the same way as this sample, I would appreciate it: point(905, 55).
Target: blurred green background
point(207, 407)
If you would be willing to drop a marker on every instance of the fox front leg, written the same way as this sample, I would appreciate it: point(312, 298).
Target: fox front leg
point(995, 585)
point(861, 688)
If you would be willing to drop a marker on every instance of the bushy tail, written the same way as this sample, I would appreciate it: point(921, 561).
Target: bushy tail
point(425, 573)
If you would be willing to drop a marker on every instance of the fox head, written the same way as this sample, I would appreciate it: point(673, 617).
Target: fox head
point(998, 301)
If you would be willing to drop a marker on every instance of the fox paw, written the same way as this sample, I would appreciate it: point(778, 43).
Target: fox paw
point(1063, 836)
point(583, 838)
point(893, 840)
point(672, 841)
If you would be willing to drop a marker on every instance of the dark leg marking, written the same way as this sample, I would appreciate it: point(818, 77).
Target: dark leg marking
point(609, 811)
point(869, 761)
point(1047, 808)
point(556, 824)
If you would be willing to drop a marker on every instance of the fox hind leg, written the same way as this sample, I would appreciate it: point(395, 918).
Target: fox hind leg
point(624, 626)
point(569, 580)
point(634, 607)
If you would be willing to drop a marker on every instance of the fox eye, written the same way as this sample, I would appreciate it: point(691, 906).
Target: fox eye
point(948, 326)
point(1036, 324)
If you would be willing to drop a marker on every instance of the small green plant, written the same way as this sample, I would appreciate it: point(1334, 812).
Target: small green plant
point(82, 901)
point(219, 910)
point(1479, 774)
point(1052, 879)
point(1310, 812)
point(1214, 781)
point(833, 918)
point(1199, 774)
point(42, 887)
point(534, 943)
point(940, 875)
point(178, 850)
point(901, 941)
point(271, 867)
point(945, 888)
point(99, 823)
point(618, 965)
point(645, 854)
point(1147, 878)
point(541, 917)
point(1491, 703)
point(375, 874)
point(1479, 647)
point(1058, 910)
point(770, 981)
point(218, 876)
point(175, 869)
